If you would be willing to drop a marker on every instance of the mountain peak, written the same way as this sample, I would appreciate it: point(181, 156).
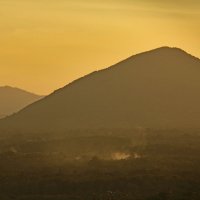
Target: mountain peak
point(13, 99)
point(6, 87)
point(167, 50)
point(163, 54)
point(16, 89)
point(170, 50)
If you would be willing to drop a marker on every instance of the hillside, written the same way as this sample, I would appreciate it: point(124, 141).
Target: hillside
point(13, 99)
point(155, 89)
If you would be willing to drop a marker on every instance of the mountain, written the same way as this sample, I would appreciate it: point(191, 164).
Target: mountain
point(13, 99)
point(158, 89)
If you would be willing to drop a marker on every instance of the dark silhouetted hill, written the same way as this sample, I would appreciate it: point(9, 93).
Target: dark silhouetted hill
point(155, 89)
point(13, 99)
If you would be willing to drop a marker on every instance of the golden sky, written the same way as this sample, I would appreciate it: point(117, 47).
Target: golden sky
point(45, 44)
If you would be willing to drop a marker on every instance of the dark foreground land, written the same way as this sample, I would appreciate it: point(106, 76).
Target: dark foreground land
point(147, 165)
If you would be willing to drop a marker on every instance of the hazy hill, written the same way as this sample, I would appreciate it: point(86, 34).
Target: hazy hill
point(155, 89)
point(14, 99)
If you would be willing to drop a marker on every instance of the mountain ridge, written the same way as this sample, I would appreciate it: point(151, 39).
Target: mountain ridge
point(13, 99)
point(153, 89)
point(130, 57)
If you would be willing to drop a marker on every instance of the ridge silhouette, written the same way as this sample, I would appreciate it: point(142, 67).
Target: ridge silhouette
point(14, 99)
point(158, 89)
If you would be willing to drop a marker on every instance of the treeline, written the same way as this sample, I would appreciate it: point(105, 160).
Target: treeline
point(162, 165)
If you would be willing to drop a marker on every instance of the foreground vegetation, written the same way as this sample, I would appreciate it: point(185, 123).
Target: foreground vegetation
point(158, 165)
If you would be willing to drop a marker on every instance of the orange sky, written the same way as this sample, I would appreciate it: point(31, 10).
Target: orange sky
point(45, 44)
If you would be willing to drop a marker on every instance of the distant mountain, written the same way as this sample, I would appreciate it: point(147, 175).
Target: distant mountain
point(13, 99)
point(157, 89)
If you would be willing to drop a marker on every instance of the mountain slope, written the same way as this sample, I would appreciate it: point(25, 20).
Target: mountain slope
point(155, 89)
point(13, 99)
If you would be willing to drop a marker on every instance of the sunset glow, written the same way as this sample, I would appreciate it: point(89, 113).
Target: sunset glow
point(46, 44)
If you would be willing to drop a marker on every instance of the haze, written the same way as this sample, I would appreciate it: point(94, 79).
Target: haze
point(47, 43)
